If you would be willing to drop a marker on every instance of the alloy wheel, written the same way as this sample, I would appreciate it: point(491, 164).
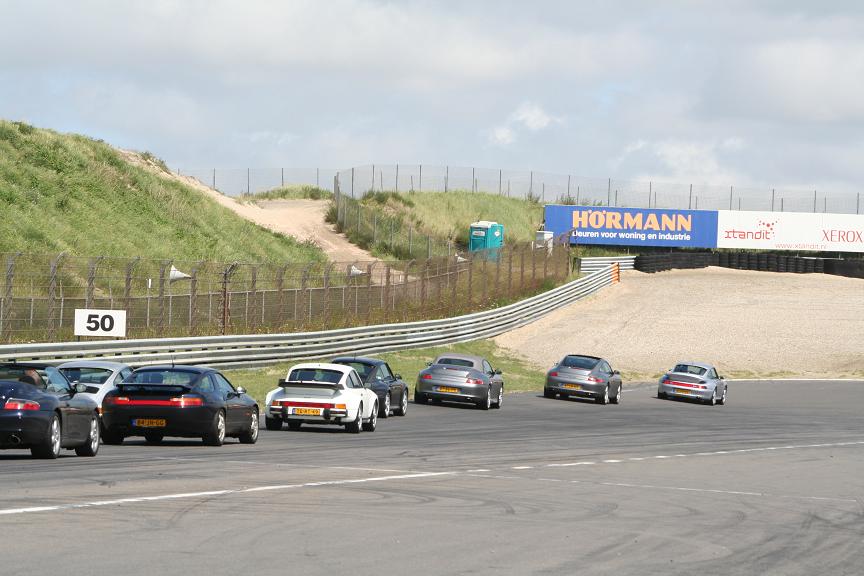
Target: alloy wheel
point(55, 436)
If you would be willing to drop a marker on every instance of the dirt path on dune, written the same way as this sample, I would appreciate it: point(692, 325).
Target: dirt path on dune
point(300, 219)
point(745, 322)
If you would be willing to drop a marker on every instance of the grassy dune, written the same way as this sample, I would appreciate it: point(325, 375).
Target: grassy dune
point(61, 192)
point(293, 192)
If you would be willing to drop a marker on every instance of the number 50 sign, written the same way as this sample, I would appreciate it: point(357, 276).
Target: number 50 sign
point(100, 322)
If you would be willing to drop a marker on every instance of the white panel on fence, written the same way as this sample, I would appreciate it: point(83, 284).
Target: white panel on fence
point(790, 231)
point(90, 322)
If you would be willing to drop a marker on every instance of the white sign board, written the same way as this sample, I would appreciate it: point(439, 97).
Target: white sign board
point(790, 231)
point(100, 322)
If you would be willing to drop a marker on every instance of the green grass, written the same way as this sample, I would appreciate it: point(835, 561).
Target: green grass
point(519, 375)
point(294, 192)
point(69, 193)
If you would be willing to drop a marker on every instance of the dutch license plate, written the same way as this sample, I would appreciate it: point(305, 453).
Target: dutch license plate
point(149, 422)
point(448, 389)
point(684, 392)
point(307, 411)
point(573, 386)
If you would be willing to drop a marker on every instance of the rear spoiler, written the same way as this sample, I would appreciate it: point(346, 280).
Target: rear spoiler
point(121, 385)
point(308, 384)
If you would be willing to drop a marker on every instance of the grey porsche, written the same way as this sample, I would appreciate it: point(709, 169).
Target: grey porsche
point(695, 381)
point(460, 378)
point(586, 377)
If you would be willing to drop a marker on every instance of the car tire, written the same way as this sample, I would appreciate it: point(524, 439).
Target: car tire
point(372, 423)
point(713, 400)
point(49, 447)
point(419, 398)
point(112, 437)
point(403, 404)
point(272, 424)
point(294, 425)
point(91, 448)
point(604, 399)
point(384, 412)
point(357, 425)
point(500, 401)
point(661, 395)
point(215, 436)
point(486, 402)
point(153, 437)
point(547, 393)
point(722, 400)
point(617, 398)
point(250, 435)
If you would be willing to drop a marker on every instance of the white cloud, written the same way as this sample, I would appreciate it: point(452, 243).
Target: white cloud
point(532, 116)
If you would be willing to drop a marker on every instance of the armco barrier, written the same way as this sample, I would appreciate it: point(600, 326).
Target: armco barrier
point(250, 350)
point(589, 265)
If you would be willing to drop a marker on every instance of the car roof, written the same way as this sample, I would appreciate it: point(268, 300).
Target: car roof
point(697, 364)
point(359, 359)
point(94, 364)
point(477, 361)
point(583, 356)
point(178, 368)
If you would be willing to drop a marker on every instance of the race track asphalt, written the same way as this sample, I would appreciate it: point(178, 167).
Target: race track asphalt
point(772, 483)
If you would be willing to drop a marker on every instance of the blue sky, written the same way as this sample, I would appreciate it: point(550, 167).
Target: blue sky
point(749, 93)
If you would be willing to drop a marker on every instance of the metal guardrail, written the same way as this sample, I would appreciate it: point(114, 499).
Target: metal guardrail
point(260, 349)
point(589, 265)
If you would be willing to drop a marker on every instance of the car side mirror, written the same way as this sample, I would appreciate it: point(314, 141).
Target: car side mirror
point(240, 390)
point(616, 372)
point(79, 388)
point(428, 364)
point(497, 372)
point(398, 376)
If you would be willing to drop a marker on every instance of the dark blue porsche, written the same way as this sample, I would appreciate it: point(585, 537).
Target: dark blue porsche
point(392, 391)
point(41, 410)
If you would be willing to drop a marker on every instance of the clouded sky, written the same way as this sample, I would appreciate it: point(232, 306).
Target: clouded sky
point(752, 93)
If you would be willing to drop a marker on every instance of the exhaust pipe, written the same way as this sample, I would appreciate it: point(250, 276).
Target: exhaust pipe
point(15, 439)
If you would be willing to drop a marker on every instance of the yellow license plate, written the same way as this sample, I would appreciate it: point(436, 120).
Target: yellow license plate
point(307, 411)
point(149, 422)
point(684, 392)
point(573, 386)
point(448, 389)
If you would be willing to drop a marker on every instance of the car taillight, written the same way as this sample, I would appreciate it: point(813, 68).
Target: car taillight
point(340, 407)
point(553, 374)
point(665, 379)
point(474, 381)
point(17, 404)
point(593, 379)
point(187, 400)
point(115, 400)
point(427, 376)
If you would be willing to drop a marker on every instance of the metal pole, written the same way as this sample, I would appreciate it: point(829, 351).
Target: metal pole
point(578, 189)
point(814, 201)
point(650, 185)
point(446, 178)
point(772, 199)
point(858, 203)
point(420, 180)
point(568, 187)
point(397, 178)
point(609, 193)
point(473, 179)
point(730, 197)
point(283, 177)
point(317, 177)
point(500, 175)
point(690, 200)
point(352, 182)
point(373, 177)
point(214, 178)
point(531, 184)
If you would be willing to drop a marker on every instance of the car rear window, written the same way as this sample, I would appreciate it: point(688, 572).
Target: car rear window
point(315, 375)
point(455, 362)
point(168, 377)
point(579, 362)
point(362, 369)
point(689, 369)
point(87, 375)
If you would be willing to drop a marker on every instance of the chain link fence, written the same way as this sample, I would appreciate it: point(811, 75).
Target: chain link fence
point(39, 293)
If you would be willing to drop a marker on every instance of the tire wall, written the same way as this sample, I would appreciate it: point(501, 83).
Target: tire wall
point(659, 262)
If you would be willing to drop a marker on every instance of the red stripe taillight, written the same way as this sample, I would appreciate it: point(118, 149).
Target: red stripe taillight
point(593, 379)
point(553, 374)
point(684, 384)
point(299, 404)
point(427, 376)
point(18, 404)
point(185, 401)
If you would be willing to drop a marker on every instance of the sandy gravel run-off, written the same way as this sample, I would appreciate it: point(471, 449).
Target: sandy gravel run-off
point(743, 321)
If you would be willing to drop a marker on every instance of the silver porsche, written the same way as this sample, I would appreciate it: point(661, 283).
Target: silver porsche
point(693, 380)
point(586, 377)
point(460, 378)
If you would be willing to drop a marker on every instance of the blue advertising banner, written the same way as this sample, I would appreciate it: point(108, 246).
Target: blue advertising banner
point(633, 226)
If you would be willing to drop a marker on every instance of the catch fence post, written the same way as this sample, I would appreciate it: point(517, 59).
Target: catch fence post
point(52, 296)
point(325, 306)
point(91, 280)
point(127, 290)
point(253, 293)
point(163, 273)
point(226, 304)
point(193, 296)
point(470, 279)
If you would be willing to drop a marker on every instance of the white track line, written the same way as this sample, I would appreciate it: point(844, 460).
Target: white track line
point(717, 453)
point(279, 464)
point(213, 493)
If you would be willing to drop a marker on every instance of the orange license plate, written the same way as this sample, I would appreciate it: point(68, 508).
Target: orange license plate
point(448, 389)
point(307, 411)
point(149, 422)
point(573, 386)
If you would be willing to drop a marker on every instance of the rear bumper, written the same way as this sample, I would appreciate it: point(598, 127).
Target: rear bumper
point(21, 429)
point(327, 416)
point(463, 392)
point(568, 387)
point(184, 422)
point(684, 392)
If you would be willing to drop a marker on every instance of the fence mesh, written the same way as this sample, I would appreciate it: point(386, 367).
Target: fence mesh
point(40, 293)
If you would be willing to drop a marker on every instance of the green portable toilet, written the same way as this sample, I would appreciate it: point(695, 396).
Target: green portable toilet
point(486, 235)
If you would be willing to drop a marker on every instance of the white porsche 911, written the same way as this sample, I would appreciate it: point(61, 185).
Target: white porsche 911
point(322, 394)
